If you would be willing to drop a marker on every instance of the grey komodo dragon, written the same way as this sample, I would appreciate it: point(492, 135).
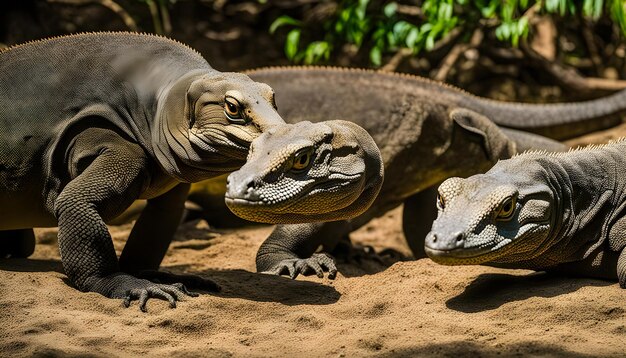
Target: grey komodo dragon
point(330, 170)
point(91, 122)
point(426, 132)
point(564, 212)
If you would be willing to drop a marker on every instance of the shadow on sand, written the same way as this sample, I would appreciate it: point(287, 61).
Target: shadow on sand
point(30, 265)
point(471, 349)
point(490, 291)
point(267, 288)
point(235, 283)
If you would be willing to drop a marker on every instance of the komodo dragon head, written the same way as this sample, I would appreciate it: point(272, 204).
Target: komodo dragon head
point(206, 121)
point(307, 172)
point(505, 215)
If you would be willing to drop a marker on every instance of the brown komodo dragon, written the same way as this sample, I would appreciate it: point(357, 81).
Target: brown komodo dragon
point(91, 122)
point(563, 212)
point(426, 131)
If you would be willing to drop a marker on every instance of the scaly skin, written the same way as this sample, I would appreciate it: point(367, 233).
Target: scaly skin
point(307, 172)
point(561, 212)
point(90, 123)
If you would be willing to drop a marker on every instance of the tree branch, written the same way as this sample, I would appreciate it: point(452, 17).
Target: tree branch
point(396, 60)
point(568, 76)
point(453, 56)
point(109, 4)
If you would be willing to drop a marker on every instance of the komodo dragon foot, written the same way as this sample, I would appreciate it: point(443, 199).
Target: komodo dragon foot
point(130, 288)
point(316, 264)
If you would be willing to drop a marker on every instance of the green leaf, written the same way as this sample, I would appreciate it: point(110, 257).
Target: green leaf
point(551, 5)
point(390, 9)
point(316, 51)
point(522, 26)
point(445, 11)
point(376, 56)
point(618, 12)
point(412, 37)
point(282, 21)
point(361, 9)
point(291, 44)
point(490, 10)
point(597, 10)
point(503, 31)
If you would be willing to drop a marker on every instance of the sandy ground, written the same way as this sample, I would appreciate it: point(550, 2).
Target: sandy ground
point(409, 309)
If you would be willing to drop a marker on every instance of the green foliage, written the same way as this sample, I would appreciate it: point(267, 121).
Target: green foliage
point(383, 29)
point(314, 52)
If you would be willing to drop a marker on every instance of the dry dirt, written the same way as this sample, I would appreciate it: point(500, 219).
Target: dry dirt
point(413, 308)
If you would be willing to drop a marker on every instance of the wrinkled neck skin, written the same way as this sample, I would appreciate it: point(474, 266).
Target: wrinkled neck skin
point(586, 200)
point(180, 152)
point(373, 172)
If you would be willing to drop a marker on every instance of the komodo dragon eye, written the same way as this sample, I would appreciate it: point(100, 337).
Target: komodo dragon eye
point(301, 160)
point(441, 204)
point(233, 111)
point(506, 209)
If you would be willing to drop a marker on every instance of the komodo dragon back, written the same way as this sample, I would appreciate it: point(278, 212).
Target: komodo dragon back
point(370, 98)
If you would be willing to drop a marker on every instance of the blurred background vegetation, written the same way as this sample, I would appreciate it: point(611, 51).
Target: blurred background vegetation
point(538, 51)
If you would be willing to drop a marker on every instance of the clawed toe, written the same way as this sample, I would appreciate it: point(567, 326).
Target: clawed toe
point(316, 264)
point(170, 293)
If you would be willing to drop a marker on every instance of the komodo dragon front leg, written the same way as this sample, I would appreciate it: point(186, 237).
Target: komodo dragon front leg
point(105, 179)
point(166, 210)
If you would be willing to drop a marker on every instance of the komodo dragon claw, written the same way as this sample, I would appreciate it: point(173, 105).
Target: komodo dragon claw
point(317, 263)
point(171, 293)
point(130, 288)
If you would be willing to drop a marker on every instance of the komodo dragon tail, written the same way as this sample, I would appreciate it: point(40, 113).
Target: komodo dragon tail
point(558, 120)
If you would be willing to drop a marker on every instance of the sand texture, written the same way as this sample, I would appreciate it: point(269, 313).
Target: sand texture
point(412, 308)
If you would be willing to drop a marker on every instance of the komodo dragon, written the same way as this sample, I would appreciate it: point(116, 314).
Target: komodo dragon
point(91, 122)
point(306, 172)
point(426, 132)
point(564, 212)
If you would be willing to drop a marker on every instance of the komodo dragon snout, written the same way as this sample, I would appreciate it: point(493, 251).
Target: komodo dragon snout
point(489, 216)
point(222, 114)
point(307, 172)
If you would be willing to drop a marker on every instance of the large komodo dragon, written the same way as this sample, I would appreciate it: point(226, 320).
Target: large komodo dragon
point(564, 212)
point(90, 123)
point(426, 132)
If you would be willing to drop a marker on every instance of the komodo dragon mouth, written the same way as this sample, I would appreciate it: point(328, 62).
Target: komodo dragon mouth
point(334, 183)
point(491, 252)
